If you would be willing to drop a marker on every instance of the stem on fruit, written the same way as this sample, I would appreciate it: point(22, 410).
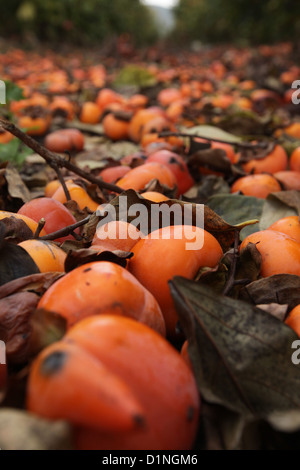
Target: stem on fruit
point(63, 232)
point(39, 228)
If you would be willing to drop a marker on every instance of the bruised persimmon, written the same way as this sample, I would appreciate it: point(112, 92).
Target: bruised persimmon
point(139, 177)
point(46, 255)
point(183, 249)
point(178, 167)
point(276, 160)
point(102, 287)
point(119, 384)
point(260, 185)
point(280, 253)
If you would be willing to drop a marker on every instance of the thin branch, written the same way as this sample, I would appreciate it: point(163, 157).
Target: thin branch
point(39, 228)
point(231, 279)
point(63, 232)
point(246, 145)
point(54, 159)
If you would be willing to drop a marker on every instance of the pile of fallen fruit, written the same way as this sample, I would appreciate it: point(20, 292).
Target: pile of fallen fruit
point(114, 335)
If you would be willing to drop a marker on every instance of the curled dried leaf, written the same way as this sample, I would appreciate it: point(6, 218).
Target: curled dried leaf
point(21, 430)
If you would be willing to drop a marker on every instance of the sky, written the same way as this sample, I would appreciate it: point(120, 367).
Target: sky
point(161, 3)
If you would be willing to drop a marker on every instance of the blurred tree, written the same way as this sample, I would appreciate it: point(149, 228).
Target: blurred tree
point(254, 21)
point(79, 21)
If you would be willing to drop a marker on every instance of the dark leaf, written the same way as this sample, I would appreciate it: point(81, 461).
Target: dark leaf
point(209, 186)
point(277, 310)
point(37, 283)
point(16, 229)
point(16, 187)
point(45, 328)
point(241, 355)
point(256, 153)
point(214, 159)
point(281, 289)
point(15, 329)
point(88, 255)
point(15, 262)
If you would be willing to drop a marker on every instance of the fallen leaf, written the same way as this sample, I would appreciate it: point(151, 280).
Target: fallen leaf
point(21, 430)
point(281, 289)
point(235, 208)
point(211, 132)
point(278, 205)
point(15, 329)
point(37, 283)
point(88, 255)
point(277, 310)
point(241, 355)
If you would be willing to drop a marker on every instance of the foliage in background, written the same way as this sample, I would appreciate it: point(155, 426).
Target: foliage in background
point(239, 21)
point(77, 21)
point(14, 151)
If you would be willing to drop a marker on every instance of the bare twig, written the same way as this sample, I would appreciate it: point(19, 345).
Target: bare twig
point(231, 279)
point(55, 160)
point(63, 232)
point(39, 228)
point(246, 145)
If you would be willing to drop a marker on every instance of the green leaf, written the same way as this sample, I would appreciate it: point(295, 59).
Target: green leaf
point(211, 132)
point(235, 208)
point(14, 152)
point(13, 92)
point(135, 76)
point(241, 355)
point(278, 205)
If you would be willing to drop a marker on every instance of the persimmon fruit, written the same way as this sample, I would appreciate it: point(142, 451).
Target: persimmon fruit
point(280, 253)
point(120, 384)
point(46, 255)
point(258, 185)
point(55, 214)
point(102, 287)
point(171, 244)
